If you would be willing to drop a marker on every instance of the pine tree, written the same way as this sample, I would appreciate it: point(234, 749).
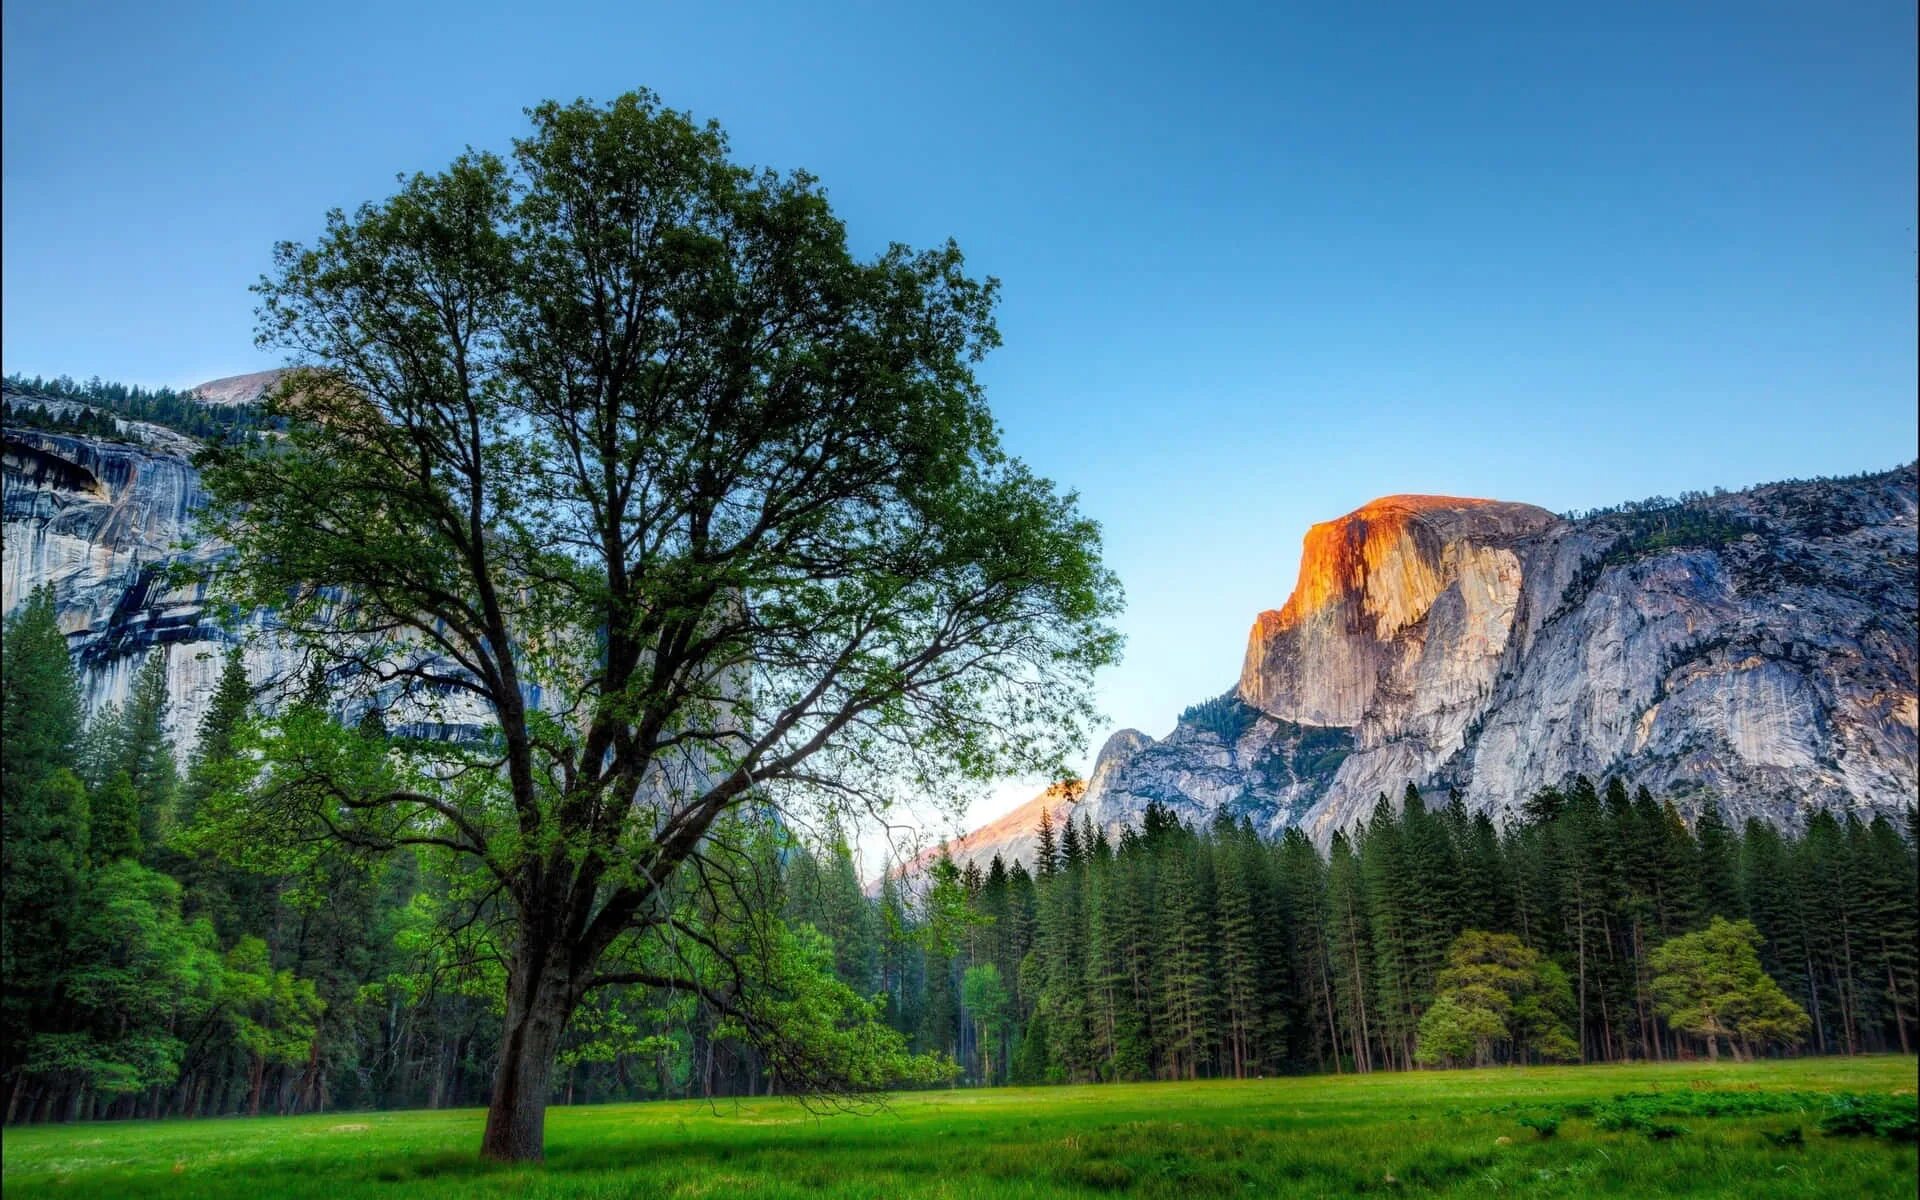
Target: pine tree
point(1304, 924)
point(1582, 867)
point(116, 821)
point(43, 855)
point(1718, 869)
point(232, 696)
point(1434, 892)
point(1350, 941)
point(1072, 850)
point(1184, 1022)
point(1386, 879)
point(209, 885)
point(1885, 867)
point(1129, 924)
point(1047, 853)
point(40, 713)
point(1832, 924)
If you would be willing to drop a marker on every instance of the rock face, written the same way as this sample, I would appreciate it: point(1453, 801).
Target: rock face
point(1377, 588)
point(1011, 837)
point(101, 521)
point(237, 389)
point(1757, 648)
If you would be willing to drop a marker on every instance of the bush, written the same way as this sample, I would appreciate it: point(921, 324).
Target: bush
point(1891, 1117)
point(1547, 1126)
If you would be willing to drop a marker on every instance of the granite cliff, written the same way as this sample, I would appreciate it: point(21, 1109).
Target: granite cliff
point(101, 520)
point(1756, 647)
point(104, 520)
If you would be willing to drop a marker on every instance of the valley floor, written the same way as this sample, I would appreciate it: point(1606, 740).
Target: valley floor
point(1454, 1133)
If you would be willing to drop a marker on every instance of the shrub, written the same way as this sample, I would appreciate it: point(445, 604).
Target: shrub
point(1891, 1117)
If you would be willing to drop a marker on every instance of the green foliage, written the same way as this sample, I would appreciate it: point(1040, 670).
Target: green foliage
point(136, 974)
point(1496, 989)
point(1454, 1030)
point(273, 1014)
point(1227, 717)
point(815, 1028)
point(1545, 1126)
point(40, 697)
point(1891, 1117)
point(83, 421)
point(1710, 984)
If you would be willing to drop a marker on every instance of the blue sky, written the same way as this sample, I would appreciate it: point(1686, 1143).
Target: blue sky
point(1260, 264)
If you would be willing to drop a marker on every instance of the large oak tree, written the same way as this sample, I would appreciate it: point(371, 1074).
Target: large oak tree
point(618, 442)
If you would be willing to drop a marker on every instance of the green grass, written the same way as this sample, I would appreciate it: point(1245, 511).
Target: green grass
point(1745, 1131)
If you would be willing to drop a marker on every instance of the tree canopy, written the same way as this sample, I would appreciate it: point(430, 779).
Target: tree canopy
point(1710, 984)
point(618, 441)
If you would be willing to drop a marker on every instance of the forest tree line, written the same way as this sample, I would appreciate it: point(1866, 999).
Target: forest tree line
point(150, 972)
point(1598, 926)
point(179, 411)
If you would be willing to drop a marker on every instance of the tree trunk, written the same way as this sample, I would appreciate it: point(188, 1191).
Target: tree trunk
point(257, 1080)
point(541, 997)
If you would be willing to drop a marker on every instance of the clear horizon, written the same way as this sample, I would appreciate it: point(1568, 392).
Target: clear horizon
point(1258, 268)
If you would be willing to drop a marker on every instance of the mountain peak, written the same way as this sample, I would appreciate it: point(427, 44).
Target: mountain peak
point(237, 389)
point(1384, 555)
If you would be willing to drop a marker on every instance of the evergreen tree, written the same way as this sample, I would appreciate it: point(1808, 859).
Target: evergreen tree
point(145, 752)
point(39, 700)
point(44, 853)
point(1047, 853)
point(211, 886)
point(1184, 1019)
point(1886, 870)
point(1718, 868)
point(116, 821)
point(1315, 1027)
point(1387, 882)
point(1350, 940)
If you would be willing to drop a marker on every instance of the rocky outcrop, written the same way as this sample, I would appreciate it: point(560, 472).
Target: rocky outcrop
point(1376, 589)
point(1757, 648)
point(237, 389)
point(102, 522)
point(109, 524)
point(1013, 836)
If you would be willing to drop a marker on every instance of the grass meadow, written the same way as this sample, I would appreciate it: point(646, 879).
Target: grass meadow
point(1745, 1130)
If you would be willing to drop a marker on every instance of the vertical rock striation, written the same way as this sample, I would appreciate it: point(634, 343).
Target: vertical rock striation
point(101, 521)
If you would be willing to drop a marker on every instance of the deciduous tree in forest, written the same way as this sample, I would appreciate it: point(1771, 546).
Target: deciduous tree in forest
point(620, 441)
point(1496, 993)
point(1709, 985)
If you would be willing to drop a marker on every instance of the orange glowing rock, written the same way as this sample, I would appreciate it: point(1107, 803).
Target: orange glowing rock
point(1366, 581)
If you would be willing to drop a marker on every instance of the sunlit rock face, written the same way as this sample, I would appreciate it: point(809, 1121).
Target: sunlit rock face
point(1496, 649)
point(1012, 837)
point(1406, 591)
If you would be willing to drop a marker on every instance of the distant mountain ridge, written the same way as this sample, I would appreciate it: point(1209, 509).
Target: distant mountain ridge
point(1756, 647)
